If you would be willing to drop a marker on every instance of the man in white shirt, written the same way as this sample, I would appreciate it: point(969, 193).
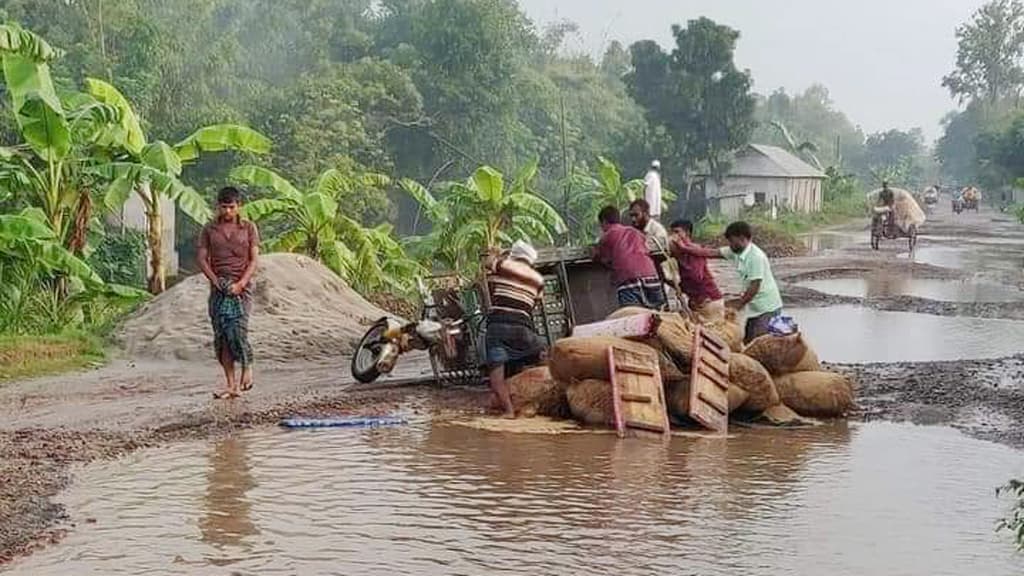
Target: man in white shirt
point(643, 220)
point(652, 189)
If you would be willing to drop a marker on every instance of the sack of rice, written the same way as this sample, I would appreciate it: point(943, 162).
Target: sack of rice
point(590, 402)
point(819, 394)
point(629, 311)
point(737, 398)
point(582, 358)
point(676, 337)
point(748, 374)
point(781, 415)
point(781, 354)
point(677, 398)
point(730, 332)
point(809, 362)
point(534, 392)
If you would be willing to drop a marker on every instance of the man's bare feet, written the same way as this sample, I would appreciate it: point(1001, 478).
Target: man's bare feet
point(225, 395)
point(247, 379)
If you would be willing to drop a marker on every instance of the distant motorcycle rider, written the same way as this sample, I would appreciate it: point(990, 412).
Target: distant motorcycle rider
point(886, 200)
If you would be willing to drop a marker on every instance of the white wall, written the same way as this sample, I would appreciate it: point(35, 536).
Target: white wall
point(797, 194)
point(134, 216)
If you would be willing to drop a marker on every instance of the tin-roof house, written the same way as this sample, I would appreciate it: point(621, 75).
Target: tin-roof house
point(762, 175)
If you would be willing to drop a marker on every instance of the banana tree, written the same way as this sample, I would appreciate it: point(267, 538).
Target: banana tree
point(605, 188)
point(33, 257)
point(57, 132)
point(482, 213)
point(152, 170)
point(368, 259)
point(806, 148)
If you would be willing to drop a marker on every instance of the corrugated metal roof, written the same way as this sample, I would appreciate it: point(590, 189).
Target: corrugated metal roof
point(763, 161)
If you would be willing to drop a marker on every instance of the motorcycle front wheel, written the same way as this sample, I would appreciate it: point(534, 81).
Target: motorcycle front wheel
point(367, 353)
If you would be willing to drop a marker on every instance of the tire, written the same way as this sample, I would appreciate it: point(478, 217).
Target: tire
point(364, 359)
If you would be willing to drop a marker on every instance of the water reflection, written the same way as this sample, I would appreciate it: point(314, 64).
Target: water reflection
point(852, 334)
point(818, 242)
point(973, 258)
point(893, 285)
point(443, 499)
point(227, 520)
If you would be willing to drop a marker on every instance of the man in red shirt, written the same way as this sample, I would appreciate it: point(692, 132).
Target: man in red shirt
point(695, 279)
point(624, 250)
point(228, 250)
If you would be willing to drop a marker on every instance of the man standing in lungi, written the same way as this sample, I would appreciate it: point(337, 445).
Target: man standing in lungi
point(228, 249)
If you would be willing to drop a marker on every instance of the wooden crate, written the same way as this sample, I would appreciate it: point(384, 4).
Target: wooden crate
point(709, 381)
point(638, 396)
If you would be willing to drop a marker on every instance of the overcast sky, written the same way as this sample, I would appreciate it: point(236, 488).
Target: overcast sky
point(882, 60)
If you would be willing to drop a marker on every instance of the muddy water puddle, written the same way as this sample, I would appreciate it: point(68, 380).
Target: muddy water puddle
point(874, 498)
point(876, 286)
point(819, 242)
point(852, 334)
point(972, 258)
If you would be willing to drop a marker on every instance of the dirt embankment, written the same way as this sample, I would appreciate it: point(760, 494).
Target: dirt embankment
point(301, 311)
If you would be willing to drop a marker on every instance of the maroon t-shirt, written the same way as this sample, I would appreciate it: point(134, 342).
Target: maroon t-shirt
point(229, 245)
point(695, 280)
point(624, 249)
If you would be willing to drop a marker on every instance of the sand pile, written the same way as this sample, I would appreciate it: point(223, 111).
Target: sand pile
point(300, 310)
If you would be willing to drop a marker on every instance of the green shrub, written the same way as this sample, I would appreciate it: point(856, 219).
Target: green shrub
point(120, 258)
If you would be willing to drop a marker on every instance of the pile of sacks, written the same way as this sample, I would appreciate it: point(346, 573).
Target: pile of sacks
point(774, 378)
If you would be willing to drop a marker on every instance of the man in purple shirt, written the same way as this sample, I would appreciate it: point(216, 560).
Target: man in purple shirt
point(624, 250)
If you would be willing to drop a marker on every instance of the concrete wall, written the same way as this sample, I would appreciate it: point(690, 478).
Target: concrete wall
point(133, 215)
point(796, 194)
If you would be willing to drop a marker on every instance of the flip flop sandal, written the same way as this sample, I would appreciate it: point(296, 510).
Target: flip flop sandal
point(224, 395)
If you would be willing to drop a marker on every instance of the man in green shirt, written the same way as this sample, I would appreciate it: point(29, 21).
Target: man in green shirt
point(761, 295)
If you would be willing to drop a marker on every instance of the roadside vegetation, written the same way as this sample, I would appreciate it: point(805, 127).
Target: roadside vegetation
point(843, 199)
point(384, 141)
point(1014, 521)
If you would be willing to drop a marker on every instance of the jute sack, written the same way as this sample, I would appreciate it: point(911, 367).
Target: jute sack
point(751, 376)
point(629, 311)
point(677, 396)
point(676, 337)
point(582, 358)
point(782, 354)
point(737, 397)
point(673, 337)
point(816, 394)
point(730, 332)
point(534, 392)
point(590, 402)
point(781, 415)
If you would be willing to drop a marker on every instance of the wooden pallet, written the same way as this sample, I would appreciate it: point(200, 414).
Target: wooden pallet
point(638, 397)
point(709, 381)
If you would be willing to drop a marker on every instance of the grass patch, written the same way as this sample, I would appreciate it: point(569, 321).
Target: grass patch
point(24, 356)
point(779, 237)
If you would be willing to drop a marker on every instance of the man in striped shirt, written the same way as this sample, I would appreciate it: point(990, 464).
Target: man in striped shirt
point(512, 341)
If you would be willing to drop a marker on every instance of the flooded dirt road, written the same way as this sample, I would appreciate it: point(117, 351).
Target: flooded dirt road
point(871, 498)
point(941, 344)
point(857, 335)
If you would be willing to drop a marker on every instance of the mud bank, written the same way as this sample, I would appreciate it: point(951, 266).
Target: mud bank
point(982, 398)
